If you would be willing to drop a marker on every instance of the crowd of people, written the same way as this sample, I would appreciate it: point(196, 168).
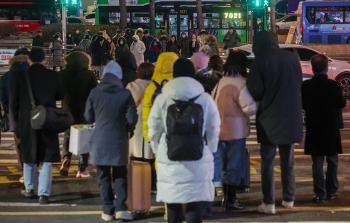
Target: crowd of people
point(189, 117)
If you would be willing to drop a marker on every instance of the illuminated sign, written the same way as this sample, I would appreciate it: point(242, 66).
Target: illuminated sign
point(232, 15)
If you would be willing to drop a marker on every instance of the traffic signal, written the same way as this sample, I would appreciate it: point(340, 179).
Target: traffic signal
point(260, 3)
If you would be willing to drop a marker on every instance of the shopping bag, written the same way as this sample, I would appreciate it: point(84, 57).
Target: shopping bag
point(80, 136)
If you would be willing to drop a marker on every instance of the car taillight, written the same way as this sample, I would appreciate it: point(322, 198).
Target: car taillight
point(301, 28)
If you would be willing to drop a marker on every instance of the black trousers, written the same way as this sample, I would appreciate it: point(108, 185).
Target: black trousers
point(193, 213)
point(83, 158)
point(113, 188)
point(322, 187)
point(268, 153)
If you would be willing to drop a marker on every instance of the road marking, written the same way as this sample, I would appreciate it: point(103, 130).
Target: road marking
point(248, 209)
point(53, 213)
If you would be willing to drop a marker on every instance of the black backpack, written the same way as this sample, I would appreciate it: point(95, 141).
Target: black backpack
point(158, 90)
point(184, 123)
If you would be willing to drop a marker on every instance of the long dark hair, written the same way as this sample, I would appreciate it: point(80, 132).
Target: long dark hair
point(236, 64)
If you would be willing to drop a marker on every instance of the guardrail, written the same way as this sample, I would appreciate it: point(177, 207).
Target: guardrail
point(49, 52)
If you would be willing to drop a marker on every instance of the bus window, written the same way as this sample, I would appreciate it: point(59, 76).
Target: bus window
point(113, 17)
point(140, 18)
point(329, 15)
point(347, 14)
point(310, 14)
point(233, 19)
point(211, 20)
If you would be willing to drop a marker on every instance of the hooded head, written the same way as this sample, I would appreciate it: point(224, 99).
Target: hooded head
point(114, 69)
point(200, 60)
point(264, 41)
point(121, 42)
point(184, 68)
point(136, 38)
point(164, 67)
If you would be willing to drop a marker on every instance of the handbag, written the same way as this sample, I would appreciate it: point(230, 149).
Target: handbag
point(47, 118)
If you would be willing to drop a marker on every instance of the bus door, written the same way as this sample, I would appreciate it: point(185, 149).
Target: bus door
point(184, 23)
point(173, 24)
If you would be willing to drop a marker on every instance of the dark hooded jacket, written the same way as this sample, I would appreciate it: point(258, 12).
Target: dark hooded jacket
point(127, 62)
point(112, 108)
point(100, 51)
point(275, 82)
point(19, 67)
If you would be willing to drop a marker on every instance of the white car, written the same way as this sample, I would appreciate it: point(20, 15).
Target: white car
point(337, 70)
point(73, 20)
point(286, 22)
point(90, 18)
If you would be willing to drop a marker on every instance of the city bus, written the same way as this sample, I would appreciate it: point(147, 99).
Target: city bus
point(324, 22)
point(27, 15)
point(181, 16)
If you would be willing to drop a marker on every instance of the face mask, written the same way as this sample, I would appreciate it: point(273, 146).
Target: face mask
point(121, 43)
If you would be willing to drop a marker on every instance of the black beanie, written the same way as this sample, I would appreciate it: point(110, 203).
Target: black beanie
point(184, 68)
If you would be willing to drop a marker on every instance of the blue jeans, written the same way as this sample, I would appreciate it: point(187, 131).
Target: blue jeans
point(217, 168)
point(30, 174)
point(232, 161)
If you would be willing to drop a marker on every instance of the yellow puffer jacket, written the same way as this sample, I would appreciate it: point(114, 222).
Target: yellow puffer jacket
point(163, 71)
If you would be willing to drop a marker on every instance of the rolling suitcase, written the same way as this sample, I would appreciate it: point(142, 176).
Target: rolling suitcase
point(139, 185)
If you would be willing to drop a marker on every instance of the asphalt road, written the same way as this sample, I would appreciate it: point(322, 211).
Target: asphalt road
point(77, 200)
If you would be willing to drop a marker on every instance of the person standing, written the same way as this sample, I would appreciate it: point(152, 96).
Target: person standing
point(210, 76)
point(100, 52)
point(184, 182)
point(111, 107)
point(77, 81)
point(57, 52)
point(77, 37)
point(172, 45)
point(163, 72)
point(194, 45)
point(211, 46)
point(38, 148)
point(147, 39)
point(275, 83)
point(163, 39)
point(235, 106)
point(138, 49)
point(38, 40)
point(231, 39)
point(184, 46)
point(18, 66)
point(323, 103)
point(127, 61)
point(85, 43)
point(155, 50)
point(137, 88)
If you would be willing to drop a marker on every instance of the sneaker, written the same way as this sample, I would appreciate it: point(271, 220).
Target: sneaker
point(44, 200)
point(21, 180)
point(318, 199)
point(267, 208)
point(288, 204)
point(84, 174)
point(233, 205)
point(107, 217)
point(331, 196)
point(65, 167)
point(124, 215)
point(28, 194)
